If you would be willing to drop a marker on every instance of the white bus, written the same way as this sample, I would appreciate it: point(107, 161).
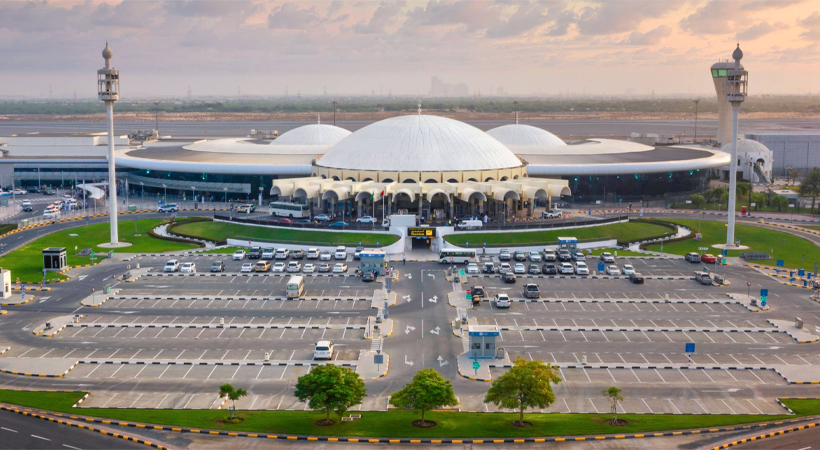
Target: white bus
point(457, 256)
point(287, 209)
point(296, 286)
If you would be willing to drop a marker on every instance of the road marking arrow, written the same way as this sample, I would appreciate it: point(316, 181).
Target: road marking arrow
point(407, 297)
point(82, 277)
point(431, 275)
point(409, 329)
point(433, 300)
point(409, 275)
point(409, 363)
point(441, 361)
point(436, 330)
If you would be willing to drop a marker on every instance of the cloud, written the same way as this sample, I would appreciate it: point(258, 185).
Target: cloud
point(472, 14)
point(613, 17)
point(724, 16)
point(812, 26)
point(385, 15)
point(290, 17)
point(758, 30)
point(651, 37)
point(525, 17)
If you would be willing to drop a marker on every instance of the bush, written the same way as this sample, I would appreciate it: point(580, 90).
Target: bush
point(175, 239)
point(698, 201)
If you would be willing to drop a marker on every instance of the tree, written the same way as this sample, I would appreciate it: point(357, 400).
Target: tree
point(742, 189)
point(780, 203)
point(528, 384)
point(759, 199)
point(792, 175)
point(613, 395)
point(699, 201)
point(810, 186)
point(330, 388)
point(234, 394)
point(428, 390)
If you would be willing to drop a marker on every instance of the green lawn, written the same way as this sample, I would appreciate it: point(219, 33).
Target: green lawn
point(623, 232)
point(219, 231)
point(27, 262)
point(621, 252)
point(785, 246)
point(397, 423)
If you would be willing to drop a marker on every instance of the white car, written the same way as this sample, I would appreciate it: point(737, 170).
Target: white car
point(322, 218)
point(188, 267)
point(519, 269)
point(325, 256)
point(278, 267)
point(313, 253)
point(247, 267)
point(535, 257)
point(581, 268)
point(19, 192)
point(293, 267)
point(323, 350)
point(340, 268)
point(502, 301)
point(472, 268)
point(366, 219)
point(171, 266)
point(267, 253)
point(628, 269)
point(613, 270)
point(607, 257)
point(309, 268)
point(341, 252)
point(566, 269)
point(281, 253)
point(579, 256)
point(504, 268)
point(239, 255)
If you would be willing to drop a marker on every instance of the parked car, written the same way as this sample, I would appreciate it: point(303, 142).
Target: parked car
point(579, 256)
point(267, 253)
point(535, 257)
point(284, 221)
point(472, 268)
point(708, 258)
point(322, 218)
point(366, 219)
point(531, 291)
point(281, 253)
point(339, 224)
point(171, 266)
point(26, 205)
point(504, 255)
point(188, 267)
point(534, 269)
point(550, 255)
point(504, 268)
point(477, 293)
point(340, 253)
point(502, 301)
point(255, 253)
point(308, 268)
point(297, 253)
point(324, 268)
point(692, 257)
point(239, 255)
point(581, 268)
point(313, 253)
point(636, 278)
point(613, 270)
point(519, 269)
point(566, 268)
point(19, 192)
point(323, 350)
point(278, 267)
point(339, 268)
point(607, 257)
point(262, 266)
point(509, 277)
point(357, 253)
point(247, 267)
point(368, 276)
point(552, 214)
point(549, 269)
point(703, 278)
point(520, 256)
point(488, 267)
point(168, 207)
point(218, 266)
point(564, 255)
point(325, 256)
point(293, 267)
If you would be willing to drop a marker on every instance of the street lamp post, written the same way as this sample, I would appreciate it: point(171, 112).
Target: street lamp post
point(193, 191)
point(225, 197)
point(696, 119)
point(165, 194)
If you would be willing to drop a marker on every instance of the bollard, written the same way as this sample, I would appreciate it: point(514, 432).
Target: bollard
point(584, 360)
point(666, 298)
point(222, 321)
point(267, 356)
point(48, 325)
point(798, 323)
point(138, 265)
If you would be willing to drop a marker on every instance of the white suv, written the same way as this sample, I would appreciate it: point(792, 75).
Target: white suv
point(171, 266)
point(313, 253)
point(566, 269)
point(581, 268)
point(239, 255)
point(323, 350)
point(188, 267)
point(502, 301)
point(341, 252)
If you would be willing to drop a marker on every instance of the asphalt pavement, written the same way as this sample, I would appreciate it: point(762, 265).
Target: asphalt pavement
point(18, 431)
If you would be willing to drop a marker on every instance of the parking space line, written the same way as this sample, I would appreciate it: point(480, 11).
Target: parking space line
point(803, 359)
point(701, 405)
point(758, 378)
point(707, 375)
point(585, 373)
point(673, 405)
point(633, 374)
point(115, 372)
point(659, 375)
point(727, 405)
point(730, 374)
point(781, 359)
point(684, 376)
point(593, 406)
point(140, 371)
point(647, 406)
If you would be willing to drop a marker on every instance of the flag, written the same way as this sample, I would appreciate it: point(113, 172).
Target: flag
point(382, 194)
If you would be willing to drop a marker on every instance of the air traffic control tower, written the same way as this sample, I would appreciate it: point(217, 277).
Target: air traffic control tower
point(719, 76)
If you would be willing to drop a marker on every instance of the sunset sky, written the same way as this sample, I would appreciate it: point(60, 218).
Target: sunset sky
point(353, 47)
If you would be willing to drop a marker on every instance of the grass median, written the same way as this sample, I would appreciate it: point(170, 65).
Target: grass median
point(27, 261)
point(623, 232)
point(220, 231)
point(778, 244)
point(397, 423)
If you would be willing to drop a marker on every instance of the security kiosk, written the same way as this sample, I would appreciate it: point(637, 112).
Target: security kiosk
point(54, 258)
point(569, 243)
point(482, 341)
point(5, 276)
point(372, 260)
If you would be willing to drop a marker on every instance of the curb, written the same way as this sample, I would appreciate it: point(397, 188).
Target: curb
point(768, 435)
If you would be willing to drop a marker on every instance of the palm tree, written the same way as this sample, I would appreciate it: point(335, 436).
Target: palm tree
point(810, 186)
point(233, 394)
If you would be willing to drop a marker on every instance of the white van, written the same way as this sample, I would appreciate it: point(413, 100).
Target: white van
point(469, 225)
point(341, 252)
point(296, 286)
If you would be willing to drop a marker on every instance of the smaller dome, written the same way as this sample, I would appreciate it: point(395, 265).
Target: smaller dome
point(747, 146)
point(737, 55)
point(107, 53)
point(518, 135)
point(313, 134)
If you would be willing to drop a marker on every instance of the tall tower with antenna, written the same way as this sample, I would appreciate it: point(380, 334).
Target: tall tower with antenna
point(719, 72)
point(736, 83)
point(108, 90)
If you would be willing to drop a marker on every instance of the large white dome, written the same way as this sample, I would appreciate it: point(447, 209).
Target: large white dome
point(749, 146)
point(313, 134)
point(419, 143)
point(524, 135)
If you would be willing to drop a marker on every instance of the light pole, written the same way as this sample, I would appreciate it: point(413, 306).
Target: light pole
point(156, 116)
point(142, 191)
point(736, 83)
point(108, 89)
point(193, 190)
point(165, 192)
point(225, 197)
point(334, 112)
point(696, 119)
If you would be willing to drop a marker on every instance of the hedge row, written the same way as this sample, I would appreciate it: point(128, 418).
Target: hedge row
point(175, 239)
point(662, 223)
point(170, 229)
point(677, 239)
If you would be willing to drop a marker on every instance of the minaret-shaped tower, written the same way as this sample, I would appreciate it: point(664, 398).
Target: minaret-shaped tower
point(108, 89)
point(736, 82)
point(720, 72)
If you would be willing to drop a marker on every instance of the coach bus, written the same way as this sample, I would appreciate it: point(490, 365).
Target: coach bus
point(286, 209)
point(456, 256)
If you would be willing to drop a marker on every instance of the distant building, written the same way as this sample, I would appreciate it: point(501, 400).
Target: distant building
point(439, 88)
point(797, 149)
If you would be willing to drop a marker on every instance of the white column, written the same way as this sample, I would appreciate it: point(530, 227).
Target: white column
point(730, 230)
point(112, 174)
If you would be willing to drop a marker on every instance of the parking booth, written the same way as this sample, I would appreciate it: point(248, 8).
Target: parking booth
point(5, 277)
point(372, 260)
point(568, 243)
point(482, 341)
point(54, 258)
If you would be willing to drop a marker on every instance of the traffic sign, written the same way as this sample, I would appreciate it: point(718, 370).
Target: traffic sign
point(690, 347)
point(723, 260)
point(469, 296)
point(724, 252)
point(600, 267)
point(476, 365)
point(749, 283)
point(703, 249)
point(378, 359)
point(780, 263)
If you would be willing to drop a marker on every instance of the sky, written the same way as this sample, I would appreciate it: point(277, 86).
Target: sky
point(547, 47)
